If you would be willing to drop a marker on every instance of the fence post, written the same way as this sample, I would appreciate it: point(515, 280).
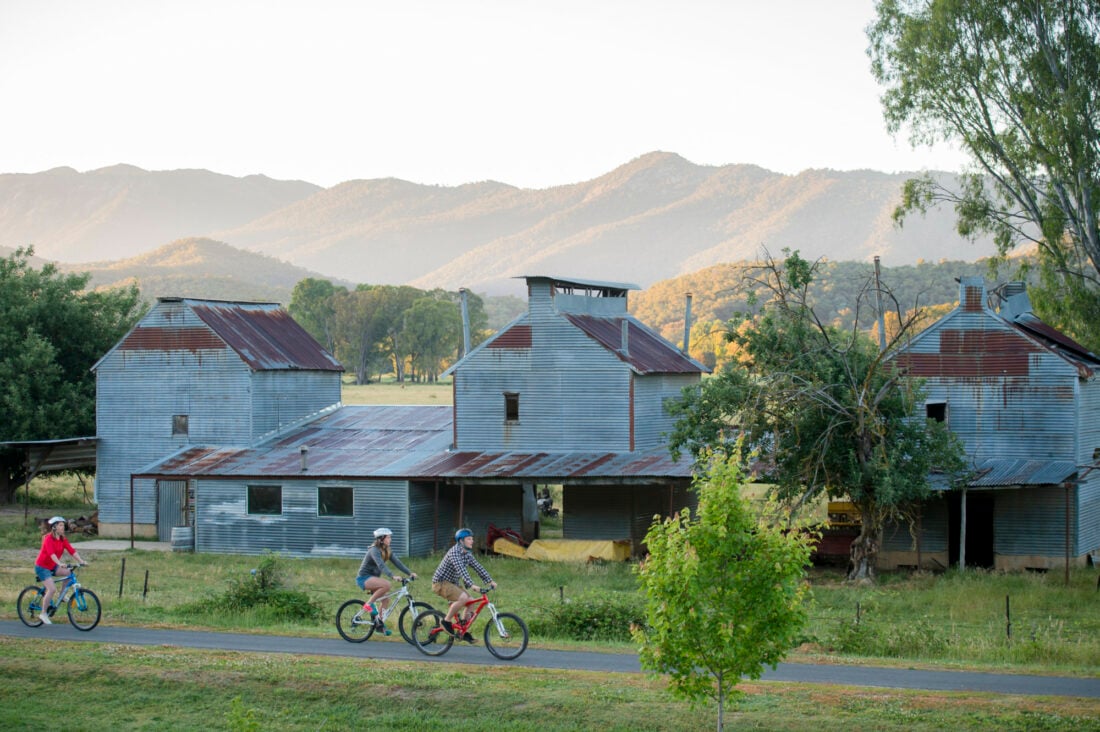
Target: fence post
point(145, 590)
point(858, 612)
point(561, 593)
point(1008, 619)
point(121, 575)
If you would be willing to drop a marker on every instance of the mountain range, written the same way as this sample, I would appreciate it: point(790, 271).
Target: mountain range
point(656, 217)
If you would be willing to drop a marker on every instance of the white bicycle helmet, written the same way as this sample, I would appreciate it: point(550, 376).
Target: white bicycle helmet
point(56, 519)
point(379, 533)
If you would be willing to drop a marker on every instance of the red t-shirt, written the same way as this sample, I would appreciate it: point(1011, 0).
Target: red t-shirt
point(52, 547)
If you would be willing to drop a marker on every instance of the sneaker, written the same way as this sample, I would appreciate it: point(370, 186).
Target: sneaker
point(45, 619)
point(448, 626)
point(380, 627)
point(372, 609)
point(468, 637)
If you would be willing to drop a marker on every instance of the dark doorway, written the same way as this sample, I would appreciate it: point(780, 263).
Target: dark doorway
point(979, 528)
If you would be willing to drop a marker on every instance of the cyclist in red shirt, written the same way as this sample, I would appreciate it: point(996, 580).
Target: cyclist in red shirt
point(48, 564)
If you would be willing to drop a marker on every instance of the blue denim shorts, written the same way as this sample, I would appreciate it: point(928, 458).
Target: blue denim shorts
point(42, 574)
point(362, 582)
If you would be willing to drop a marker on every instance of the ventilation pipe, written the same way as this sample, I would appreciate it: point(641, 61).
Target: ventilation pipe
point(462, 291)
point(687, 323)
point(304, 451)
point(881, 314)
point(624, 339)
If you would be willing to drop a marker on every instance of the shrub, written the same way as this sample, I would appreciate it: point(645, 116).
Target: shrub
point(263, 591)
point(591, 618)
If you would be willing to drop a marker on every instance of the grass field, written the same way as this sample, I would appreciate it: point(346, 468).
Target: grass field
point(949, 621)
point(389, 392)
point(165, 688)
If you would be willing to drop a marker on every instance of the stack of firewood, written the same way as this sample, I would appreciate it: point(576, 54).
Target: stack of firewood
point(85, 525)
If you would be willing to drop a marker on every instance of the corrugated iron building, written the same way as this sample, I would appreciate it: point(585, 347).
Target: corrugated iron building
point(197, 372)
point(1025, 401)
point(571, 393)
point(577, 373)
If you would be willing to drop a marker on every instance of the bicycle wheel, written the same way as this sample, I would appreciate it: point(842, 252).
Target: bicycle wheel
point(428, 634)
point(353, 622)
point(84, 610)
point(29, 605)
point(405, 619)
point(506, 637)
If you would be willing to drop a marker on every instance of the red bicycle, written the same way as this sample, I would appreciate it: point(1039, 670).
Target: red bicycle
point(505, 633)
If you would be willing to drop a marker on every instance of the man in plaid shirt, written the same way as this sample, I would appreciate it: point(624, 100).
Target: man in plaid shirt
point(451, 572)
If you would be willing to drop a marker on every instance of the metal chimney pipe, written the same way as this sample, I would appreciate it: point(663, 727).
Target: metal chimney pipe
point(624, 339)
point(687, 323)
point(881, 314)
point(465, 322)
point(304, 452)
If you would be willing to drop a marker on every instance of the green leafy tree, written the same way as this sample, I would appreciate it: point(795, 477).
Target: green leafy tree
point(359, 325)
point(724, 590)
point(52, 331)
point(433, 329)
point(1015, 84)
point(824, 407)
point(313, 306)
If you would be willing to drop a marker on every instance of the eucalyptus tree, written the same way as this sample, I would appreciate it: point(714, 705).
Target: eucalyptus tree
point(823, 409)
point(313, 305)
point(1015, 85)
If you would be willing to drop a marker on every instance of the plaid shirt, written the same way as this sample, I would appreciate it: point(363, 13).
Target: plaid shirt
point(452, 568)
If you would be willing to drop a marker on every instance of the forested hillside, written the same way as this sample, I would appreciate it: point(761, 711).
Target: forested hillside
point(717, 294)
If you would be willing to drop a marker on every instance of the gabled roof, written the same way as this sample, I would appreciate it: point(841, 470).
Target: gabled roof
point(646, 352)
point(263, 334)
point(404, 442)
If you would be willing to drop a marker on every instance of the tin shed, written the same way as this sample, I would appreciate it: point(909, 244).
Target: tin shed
point(1025, 401)
point(197, 372)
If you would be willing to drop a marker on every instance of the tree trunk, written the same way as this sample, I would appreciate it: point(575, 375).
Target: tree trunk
point(863, 555)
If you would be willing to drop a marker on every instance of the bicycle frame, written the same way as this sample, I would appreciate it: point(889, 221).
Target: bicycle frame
point(395, 597)
point(479, 604)
point(61, 588)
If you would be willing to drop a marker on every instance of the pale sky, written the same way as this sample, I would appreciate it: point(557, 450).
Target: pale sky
point(534, 93)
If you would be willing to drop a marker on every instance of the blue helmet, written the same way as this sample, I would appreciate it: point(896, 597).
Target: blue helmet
point(462, 534)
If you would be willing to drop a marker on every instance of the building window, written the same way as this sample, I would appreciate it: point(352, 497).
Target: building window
point(936, 411)
point(265, 500)
point(179, 424)
point(335, 501)
point(511, 406)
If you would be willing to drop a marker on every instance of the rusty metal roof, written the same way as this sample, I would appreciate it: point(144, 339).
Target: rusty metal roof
point(405, 442)
point(646, 352)
point(264, 335)
point(1086, 361)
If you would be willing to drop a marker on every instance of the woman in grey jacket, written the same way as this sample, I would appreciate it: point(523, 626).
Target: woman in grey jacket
point(372, 569)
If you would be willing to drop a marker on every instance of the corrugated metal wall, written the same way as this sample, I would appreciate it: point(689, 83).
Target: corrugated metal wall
point(171, 507)
point(934, 528)
point(990, 409)
point(138, 392)
point(281, 398)
point(573, 395)
point(501, 505)
point(1088, 493)
point(1031, 521)
point(222, 523)
point(1008, 398)
point(598, 512)
point(422, 514)
point(651, 421)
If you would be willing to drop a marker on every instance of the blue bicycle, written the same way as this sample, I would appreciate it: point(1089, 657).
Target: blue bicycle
point(82, 605)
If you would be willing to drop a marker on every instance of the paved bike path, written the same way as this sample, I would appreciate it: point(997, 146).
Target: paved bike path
point(397, 650)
